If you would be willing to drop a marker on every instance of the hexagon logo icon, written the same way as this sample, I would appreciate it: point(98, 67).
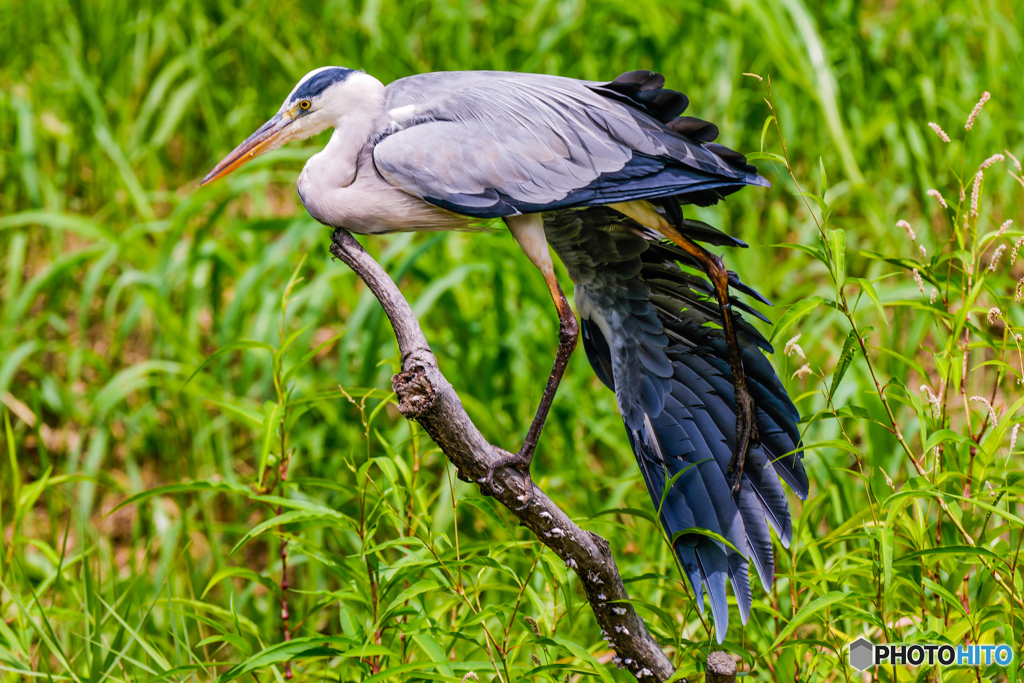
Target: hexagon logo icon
point(862, 654)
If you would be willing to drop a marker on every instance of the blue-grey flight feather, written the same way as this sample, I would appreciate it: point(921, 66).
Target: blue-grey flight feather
point(646, 332)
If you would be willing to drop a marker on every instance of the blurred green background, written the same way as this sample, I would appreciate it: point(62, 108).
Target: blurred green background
point(120, 277)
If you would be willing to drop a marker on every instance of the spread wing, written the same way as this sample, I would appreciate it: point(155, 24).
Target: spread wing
point(491, 144)
point(652, 333)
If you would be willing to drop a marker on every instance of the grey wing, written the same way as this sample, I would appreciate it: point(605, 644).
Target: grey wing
point(491, 144)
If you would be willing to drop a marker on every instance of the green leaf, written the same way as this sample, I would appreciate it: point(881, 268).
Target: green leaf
point(182, 670)
point(956, 551)
point(806, 612)
point(311, 646)
point(79, 225)
point(292, 281)
point(233, 346)
point(943, 435)
point(822, 206)
point(855, 412)
point(485, 506)
point(817, 252)
point(837, 245)
point(270, 423)
point(421, 586)
point(393, 672)
point(885, 537)
point(833, 443)
point(869, 289)
point(251, 416)
point(1005, 514)
point(291, 517)
point(703, 532)
point(433, 650)
point(845, 358)
point(630, 512)
point(946, 596)
point(582, 654)
point(13, 360)
point(30, 494)
point(794, 314)
point(767, 156)
point(188, 487)
point(671, 482)
point(310, 356)
point(290, 339)
point(12, 455)
point(243, 573)
point(764, 129)
point(128, 381)
point(237, 642)
point(173, 110)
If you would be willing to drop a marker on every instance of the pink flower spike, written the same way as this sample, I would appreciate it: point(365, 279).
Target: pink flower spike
point(919, 281)
point(976, 193)
point(985, 97)
point(1016, 246)
point(1015, 162)
point(938, 131)
point(991, 410)
point(910, 231)
point(934, 194)
point(932, 398)
point(793, 347)
point(995, 158)
point(995, 257)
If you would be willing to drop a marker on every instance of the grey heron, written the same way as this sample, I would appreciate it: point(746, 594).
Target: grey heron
point(597, 172)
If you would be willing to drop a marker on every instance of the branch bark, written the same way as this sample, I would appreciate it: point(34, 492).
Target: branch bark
point(721, 668)
point(427, 397)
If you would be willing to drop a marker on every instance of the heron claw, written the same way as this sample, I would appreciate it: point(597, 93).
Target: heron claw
point(519, 461)
point(746, 433)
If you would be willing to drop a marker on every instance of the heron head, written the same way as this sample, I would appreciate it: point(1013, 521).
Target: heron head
point(317, 103)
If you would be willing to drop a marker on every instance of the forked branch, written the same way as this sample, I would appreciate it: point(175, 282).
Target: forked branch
point(426, 396)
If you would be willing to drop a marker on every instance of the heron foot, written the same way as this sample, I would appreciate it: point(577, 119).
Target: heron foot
point(521, 462)
point(746, 432)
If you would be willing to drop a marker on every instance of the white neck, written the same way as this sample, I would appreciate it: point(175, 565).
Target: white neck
point(337, 164)
point(354, 110)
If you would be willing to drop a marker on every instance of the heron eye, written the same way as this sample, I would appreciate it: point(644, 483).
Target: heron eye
point(304, 104)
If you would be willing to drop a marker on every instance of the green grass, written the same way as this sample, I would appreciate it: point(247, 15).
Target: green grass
point(120, 279)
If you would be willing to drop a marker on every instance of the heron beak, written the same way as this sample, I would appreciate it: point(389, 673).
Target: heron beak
point(268, 137)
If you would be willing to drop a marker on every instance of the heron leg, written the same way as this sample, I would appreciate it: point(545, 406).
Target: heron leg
point(746, 422)
point(529, 232)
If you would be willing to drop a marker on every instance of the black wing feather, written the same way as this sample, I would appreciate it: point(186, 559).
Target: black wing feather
point(646, 333)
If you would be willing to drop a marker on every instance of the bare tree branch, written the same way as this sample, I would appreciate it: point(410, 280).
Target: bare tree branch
point(427, 397)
